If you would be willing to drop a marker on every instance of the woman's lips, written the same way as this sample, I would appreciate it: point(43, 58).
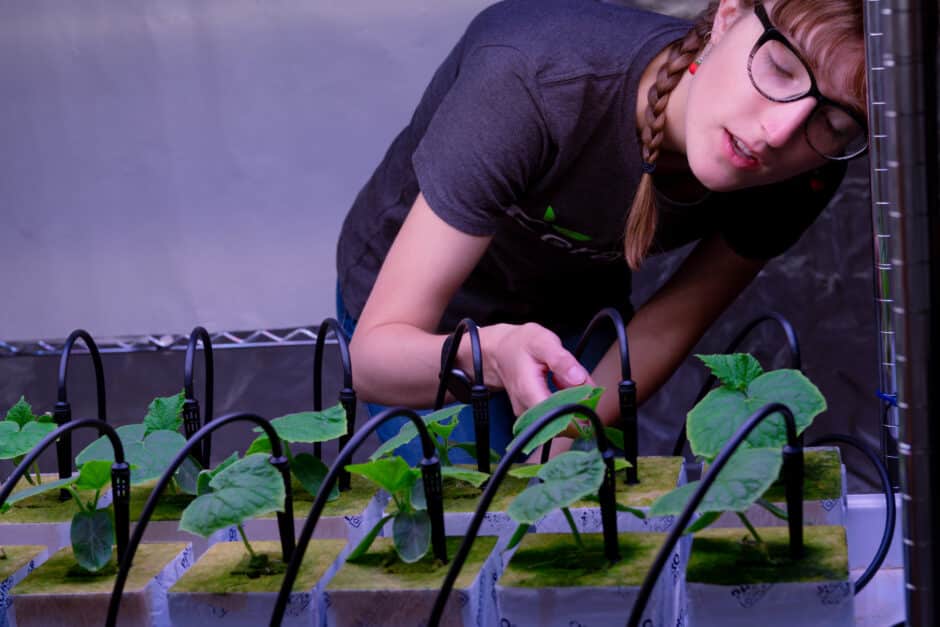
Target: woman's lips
point(736, 157)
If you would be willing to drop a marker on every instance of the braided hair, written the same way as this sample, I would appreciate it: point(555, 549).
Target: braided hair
point(641, 223)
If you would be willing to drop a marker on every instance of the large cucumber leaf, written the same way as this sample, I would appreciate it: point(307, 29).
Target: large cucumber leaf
point(586, 395)
point(245, 489)
point(567, 478)
point(713, 421)
point(742, 481)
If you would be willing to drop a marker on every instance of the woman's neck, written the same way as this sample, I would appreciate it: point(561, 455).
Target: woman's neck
point(674, 130)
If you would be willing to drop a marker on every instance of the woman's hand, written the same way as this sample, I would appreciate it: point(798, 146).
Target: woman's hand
point(518, 358)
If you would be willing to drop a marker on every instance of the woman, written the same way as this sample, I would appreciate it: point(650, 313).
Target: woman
point(561, 143)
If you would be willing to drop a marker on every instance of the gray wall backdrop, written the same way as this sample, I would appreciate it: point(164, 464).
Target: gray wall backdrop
point(173, 163)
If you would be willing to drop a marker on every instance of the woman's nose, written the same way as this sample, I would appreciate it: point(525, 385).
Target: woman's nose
point(783, 120)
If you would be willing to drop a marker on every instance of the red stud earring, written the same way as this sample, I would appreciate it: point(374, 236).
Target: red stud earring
point(693, 66)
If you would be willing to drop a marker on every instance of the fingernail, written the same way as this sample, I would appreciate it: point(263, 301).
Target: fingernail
point(577, 375)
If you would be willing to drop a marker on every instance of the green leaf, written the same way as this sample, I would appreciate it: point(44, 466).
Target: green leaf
point(742, 481)
point(16, 441)
point(735, 371)
point(392, 474)
point(567, 478)
point(148, 456)
point(260, 444)
point(621, 464)
point(21, 413)
point(101, 448)
point(47, 486)
point(473, 477)
point(368, 539)
point(713, 421)
point(311, 426)
point(205, 477)
point(249, 487)
point(165, 413)
point(187, 475)
point(94, 475)
point(409, 431)
point(517, 536)
point(586, 395)
point(443, 430)
point(153, 456)
point(525, 471)
point(311, 472)
point(92, 535)
point(615, 436)
point(411, 534)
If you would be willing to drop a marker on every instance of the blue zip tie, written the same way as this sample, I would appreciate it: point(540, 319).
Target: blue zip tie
point(890, 399)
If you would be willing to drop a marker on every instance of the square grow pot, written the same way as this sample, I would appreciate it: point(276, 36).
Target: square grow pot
point(550, 581)
point(18, 562)
point(214, 592)
point(729, 583)
point(658, 475)
point(42, 519)
point(379, 589)
point(349, 517)
point(825, 501)
point(54, 595)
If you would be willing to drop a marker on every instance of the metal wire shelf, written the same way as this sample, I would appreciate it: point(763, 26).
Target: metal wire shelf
point(257, 338)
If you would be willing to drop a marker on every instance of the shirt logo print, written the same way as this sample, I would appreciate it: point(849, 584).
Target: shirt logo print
point(549, 218)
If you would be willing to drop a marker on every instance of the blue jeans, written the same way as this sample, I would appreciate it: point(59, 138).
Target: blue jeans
point(500, 409)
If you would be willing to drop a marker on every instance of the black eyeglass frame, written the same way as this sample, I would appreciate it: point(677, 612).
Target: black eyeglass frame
point(772, 33)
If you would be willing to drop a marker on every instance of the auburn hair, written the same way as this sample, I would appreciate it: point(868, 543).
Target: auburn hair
point(822, 29)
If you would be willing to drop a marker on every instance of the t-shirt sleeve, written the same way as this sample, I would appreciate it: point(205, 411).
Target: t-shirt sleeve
point(763, 222)
point(486, 142)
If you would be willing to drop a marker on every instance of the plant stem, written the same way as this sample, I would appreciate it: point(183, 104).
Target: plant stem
point(750, 528)
point(574, 528)
point(38, 474)
point(241, 532)
point(78, 499)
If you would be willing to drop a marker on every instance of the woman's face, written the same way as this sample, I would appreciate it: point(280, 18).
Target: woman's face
point(734, 136)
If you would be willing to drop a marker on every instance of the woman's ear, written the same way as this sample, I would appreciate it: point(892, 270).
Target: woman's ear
point(729, 12)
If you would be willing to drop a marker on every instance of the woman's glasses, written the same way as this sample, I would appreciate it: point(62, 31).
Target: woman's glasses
point(780, 74)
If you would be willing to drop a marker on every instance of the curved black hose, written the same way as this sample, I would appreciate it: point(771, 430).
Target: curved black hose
point(192, 421)
point(120, 474)
point(479, 394)
point(433, 491)
point(890, 508)
point(793, 479)
point(626, 390)
point(62, 412)
point(606, 495)
point(796, 361)
point(347, 395)
point(285, 519)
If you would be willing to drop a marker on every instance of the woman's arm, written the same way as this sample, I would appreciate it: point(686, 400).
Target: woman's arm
point(665, 329)
point(396, 353)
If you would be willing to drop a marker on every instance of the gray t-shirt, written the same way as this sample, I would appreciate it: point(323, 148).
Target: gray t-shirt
point(527, 133)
